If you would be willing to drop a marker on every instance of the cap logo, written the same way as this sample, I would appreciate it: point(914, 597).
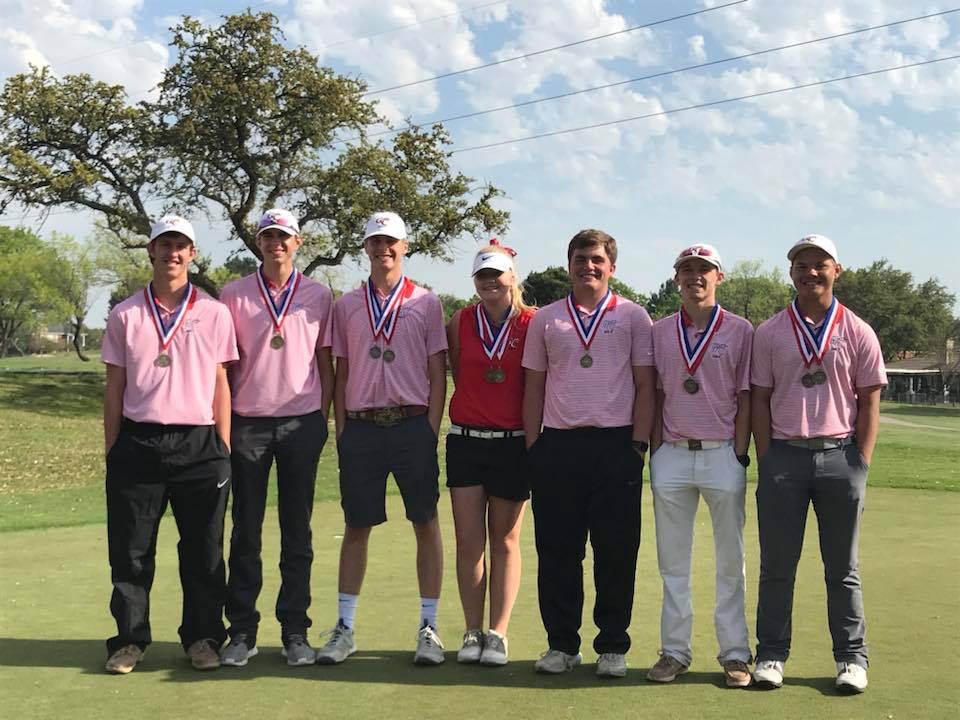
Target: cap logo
point(275, 219)
point(381, 221)
point(696, 251)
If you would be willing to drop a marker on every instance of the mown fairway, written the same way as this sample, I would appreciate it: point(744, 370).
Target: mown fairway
point(54, 588)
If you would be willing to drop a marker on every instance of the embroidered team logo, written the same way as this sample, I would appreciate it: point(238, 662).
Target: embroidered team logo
point(608, 326)
point(718, 350)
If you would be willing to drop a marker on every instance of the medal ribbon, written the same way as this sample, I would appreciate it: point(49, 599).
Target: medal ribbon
point(278, 314)
point(692, 357)
point(383, 318)
point(165, 332)
point(493, 344)
point(814, 345)
point(589, 331)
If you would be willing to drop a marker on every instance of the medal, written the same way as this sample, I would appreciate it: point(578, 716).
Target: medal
point(166, 332)
point(495, 375)
point(813, 345)
point(278, 314)
point(587, 333)
point(692, 357)
point(494, 343)
point(383, 318)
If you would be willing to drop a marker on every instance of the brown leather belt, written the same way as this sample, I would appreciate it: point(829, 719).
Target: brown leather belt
point(387, 416)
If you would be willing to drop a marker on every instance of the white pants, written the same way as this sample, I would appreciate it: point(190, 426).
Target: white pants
point(679, 477)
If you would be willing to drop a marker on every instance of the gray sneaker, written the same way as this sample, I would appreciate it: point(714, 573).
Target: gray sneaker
point(666, 669)
point(612, 665)
point(339, 647)
point(472, 647)
point(494, 650)
point(297, 650)
point(237, 652)
point(554, 662)
point(429, 648)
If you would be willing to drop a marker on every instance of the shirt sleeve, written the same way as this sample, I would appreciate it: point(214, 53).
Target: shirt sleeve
point(641, 331)
point(339, 329)
point(227, 337)
point(325, 336)
point(535, 348)
point(743, 362)
point(436, 330)
point(114, 351)
point(870, 368)
point(761, 367)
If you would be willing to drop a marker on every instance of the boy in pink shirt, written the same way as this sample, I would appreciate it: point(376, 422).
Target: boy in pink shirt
point(589, 380)
point(282, 388)
point(816, 377)
point(700, 439)
point(391, 380)
point(166, 421)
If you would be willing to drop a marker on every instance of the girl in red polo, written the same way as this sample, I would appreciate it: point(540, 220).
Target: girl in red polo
point(486, 457)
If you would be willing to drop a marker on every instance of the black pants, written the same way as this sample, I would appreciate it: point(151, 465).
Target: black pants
point(295, 443)
point(149, 466)
point(586, 481)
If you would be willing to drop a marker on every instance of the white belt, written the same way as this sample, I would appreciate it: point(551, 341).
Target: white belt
point(484, 434)
point(701, 444)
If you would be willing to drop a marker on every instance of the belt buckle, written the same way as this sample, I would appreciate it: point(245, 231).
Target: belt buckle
point(694, 445)
point(388, 416)
point(484, 434)
point(817, 444)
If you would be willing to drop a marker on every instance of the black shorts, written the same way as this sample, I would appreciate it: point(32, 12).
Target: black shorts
point(369, 452)
point(499, 465)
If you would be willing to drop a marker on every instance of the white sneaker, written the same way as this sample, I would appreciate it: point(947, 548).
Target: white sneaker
point(554, 662)
point(472, 647)
point(768, 674)
point(851, 677)
point(429, 648)
point(339, 647)
point(612, 665)
point(494, 650)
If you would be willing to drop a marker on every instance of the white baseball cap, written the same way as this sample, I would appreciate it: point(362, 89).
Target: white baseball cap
point(814, 241)
point(280, 219)
point(385, 223)
point(172, 223)
point(493, 260)
point(702, 251)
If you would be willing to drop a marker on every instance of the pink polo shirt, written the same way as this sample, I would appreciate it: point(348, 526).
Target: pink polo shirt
point(601, 395)
point(419, 333)
point(182, 393)
point(853, 360)
point(724, 371)
point(282, 382)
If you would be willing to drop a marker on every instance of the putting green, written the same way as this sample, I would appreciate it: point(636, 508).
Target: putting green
point(53, 618)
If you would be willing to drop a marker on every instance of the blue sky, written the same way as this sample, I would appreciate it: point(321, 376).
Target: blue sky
point(874, 163)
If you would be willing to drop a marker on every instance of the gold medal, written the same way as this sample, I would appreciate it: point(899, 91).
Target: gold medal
point(276, 342)
point(162, 361)
point(389, 355)
point(691, 386)
point(807, 380)
point(495, 375)
point(819, 377)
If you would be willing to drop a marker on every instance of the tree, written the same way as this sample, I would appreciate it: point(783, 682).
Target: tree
point(625, 291)
point(544, 287)
point(906, 317)
point(752, 293)
point(451, 303)
point(665, 300)
point(29, 284)
point(242, 123)
point(79, 272)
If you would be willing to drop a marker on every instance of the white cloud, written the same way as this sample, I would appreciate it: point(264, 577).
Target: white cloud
point(695, 48)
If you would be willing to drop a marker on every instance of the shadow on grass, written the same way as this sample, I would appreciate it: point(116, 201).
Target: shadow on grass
point(56, 395)
point(391, 667)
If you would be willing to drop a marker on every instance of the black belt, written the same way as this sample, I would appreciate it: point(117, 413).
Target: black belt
point(821, 443)
point(387, 416)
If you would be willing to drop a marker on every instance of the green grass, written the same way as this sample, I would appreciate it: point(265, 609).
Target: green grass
point(53, 362)
point(54, 616)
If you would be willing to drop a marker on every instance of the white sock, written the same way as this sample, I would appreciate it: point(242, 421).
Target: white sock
point(428, 611)
point(347, 607)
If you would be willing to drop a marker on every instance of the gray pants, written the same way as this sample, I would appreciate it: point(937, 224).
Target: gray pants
point(835, 482)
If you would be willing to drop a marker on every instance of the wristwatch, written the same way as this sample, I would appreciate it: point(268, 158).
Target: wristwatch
point(744, 460)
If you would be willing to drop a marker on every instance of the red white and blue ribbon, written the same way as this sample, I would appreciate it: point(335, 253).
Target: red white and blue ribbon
point(164, 331)
point(383, 317)
point(814, 344)
point(693, 356)
point(494, 344)
point(278, 313)
point(588, 330)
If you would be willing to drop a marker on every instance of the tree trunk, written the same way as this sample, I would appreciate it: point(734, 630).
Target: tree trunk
point(77, 327)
